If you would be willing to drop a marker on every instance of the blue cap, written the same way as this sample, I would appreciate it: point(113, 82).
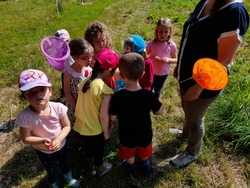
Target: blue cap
point(139, 43)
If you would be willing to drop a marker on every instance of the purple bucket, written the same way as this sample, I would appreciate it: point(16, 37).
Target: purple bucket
point(56, 51)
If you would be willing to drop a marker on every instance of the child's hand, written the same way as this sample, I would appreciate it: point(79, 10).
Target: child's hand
point(55, 145)
point(106, 135)
point(165, 60)
point(157, 58)
point(47, 143)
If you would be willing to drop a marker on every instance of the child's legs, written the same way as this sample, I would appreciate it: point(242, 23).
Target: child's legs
point(144, 152)
point(94, 147)
point(158, 84)
point(63, 159)
point(49, 161)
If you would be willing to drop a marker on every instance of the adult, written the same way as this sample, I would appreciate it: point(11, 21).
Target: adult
point(214, 30)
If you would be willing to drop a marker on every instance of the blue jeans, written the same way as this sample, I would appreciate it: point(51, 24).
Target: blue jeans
point(55, 163)
point(158, 84)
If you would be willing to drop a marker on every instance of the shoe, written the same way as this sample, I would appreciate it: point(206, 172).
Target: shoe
point(128, 169)
point(103, 169)
point(182, 160)
point(54, 185)
point(70, 180)
point(177, 133)
point(145, 168)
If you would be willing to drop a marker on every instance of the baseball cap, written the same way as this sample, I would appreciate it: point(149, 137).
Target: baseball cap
point(31, 78)
point(139, 43)
point(63, 34)
point(107, 59)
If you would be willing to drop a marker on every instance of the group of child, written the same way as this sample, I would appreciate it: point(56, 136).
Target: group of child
point(89, 80)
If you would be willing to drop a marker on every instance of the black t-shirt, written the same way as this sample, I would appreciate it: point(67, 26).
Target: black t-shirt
point(133, 112)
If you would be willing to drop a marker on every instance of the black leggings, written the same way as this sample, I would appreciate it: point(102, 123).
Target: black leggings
point(94, 147)
point(55, 163)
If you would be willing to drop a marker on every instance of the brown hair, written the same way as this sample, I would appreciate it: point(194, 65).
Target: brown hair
point(97, 29)
point(78, 46)
point(132, 65)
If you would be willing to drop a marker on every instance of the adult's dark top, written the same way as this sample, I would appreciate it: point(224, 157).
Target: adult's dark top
point(201, 36)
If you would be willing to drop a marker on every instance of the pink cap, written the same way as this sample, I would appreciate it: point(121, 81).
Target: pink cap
point(63, 34)
point(107, 59)
point(31, 78)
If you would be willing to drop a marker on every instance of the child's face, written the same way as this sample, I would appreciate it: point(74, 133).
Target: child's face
point(99, 43)
point(163, 32)
point(38, 96)
point(85, 59)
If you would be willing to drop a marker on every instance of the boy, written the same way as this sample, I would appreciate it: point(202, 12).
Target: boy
point(132, 107)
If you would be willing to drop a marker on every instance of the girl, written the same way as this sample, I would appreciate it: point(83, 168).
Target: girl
point(64, 34)
point(162, 52)
point(136, 43)
point(98, 36)
point(45, 125)
point(92, 121)
point(82, 53)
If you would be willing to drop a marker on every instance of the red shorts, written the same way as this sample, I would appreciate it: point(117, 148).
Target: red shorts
point(127, 153)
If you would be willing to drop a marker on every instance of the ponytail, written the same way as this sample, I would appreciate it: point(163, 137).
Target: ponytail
point(96, 70)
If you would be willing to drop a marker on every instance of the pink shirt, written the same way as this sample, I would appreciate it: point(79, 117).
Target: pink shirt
point(48, 126)
point(161, 49)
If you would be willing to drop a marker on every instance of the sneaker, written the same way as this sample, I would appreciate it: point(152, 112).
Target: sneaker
point(103, 169)
point(182, 160)
point(177, 133)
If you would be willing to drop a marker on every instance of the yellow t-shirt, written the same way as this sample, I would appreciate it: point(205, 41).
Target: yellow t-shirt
point(88, 105)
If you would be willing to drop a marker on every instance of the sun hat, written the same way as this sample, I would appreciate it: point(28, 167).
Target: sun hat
point(31, 78)
point(63, 34)
point(56, 51)
point(107, 59)
point(139, 43)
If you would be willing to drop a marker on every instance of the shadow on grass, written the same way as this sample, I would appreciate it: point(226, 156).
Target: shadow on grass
point(26, 167)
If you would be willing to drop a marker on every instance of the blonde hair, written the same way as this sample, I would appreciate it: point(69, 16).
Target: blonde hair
point(165, 22)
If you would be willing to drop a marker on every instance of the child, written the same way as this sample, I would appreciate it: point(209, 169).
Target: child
point(45, 125)
point(162, 52)
point(132, 107)
point(136, 44)
point(98, 36)
point(64, 34)
point(92, 121)
point(82, 52)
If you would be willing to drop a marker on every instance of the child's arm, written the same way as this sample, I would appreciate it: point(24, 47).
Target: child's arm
point(113, 121)
point(159, 112)
point(104, 116)
point(56, 143)
point(27, 138)
point(66, 87)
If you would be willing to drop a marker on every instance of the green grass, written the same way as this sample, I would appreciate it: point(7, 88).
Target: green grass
point(224, 160)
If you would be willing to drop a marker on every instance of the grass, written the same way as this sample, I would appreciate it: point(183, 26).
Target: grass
point(224, 160)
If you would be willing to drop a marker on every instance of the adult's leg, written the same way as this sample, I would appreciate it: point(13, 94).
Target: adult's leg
point(194, 127)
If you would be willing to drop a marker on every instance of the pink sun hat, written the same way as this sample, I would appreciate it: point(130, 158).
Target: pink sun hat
point(56, 51)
